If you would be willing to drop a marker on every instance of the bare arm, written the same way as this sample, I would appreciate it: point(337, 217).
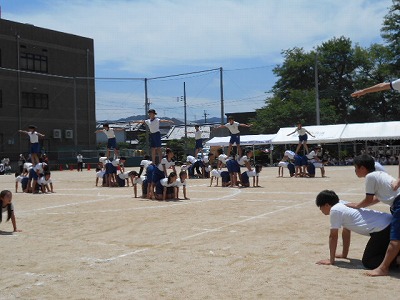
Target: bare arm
point(291, 133)
point(245, 125)
point(368, 201)
point(376, 88)
point(14, 222)
point(167, 121)
point(333, 239)
point(346, 236)
point(309, 133)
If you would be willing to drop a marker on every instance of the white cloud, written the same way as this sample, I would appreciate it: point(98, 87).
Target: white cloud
point(140, 36)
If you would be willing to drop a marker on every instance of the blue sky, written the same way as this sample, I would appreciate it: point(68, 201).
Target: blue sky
point(152, 38)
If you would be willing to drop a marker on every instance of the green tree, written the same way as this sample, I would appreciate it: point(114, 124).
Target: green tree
point(390, 32)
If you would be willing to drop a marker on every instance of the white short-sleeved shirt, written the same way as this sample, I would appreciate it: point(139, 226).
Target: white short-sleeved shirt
point(378, 183)
point(42, 181)
point(19, 178)
point(233, 128)
point(197, 135)
point(123, 175)
point(191, 159)
point(103, 159)
point(242, 161)
point(205, 159)
point(33, 137)
point(223, 158)
point(109, 133)
point(145, 163)
point(179, 183)
point(153, 124)
point(117, 162)
point(379, 167)
point(28, 166)
point(362, 221)
point(79, 158)
point(100, 173)
point(290, 154)
point(395, 85)
point(4, 209)
point(301, 131)
point(164, 182)
point(39, 167)
point(311, 155)
point(167, 164)
point(283, 164)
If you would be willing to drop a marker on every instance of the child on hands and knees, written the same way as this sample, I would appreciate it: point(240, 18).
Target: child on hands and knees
point(7, 206)
point(375, 224)
point(378, 188)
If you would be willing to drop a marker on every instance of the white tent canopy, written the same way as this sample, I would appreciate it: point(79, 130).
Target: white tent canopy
point(371, 131)
point(323, 134)
point(257, 139)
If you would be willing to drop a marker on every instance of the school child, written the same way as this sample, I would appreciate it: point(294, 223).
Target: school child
point(190, 162)
point(258, 169)
point(21, 162)
point(302, 132)
point(23, 179)
point(45, 183)
point(225, 179)
point(282, 165)
point(222, 159)
point(235, 133)
point(374, 224)
point(79, 159)
point(206, 164)
point(165, 188)
point(378, 189)
point(109, 173)
point(111, 140)
point(34, 140)
point(153, 124)
point(215, 174)
point(198, 139)
point(144, 163)
point(135, 179)
point(7, 206)
point(166, 163)
point(244, 161)
point(181, 182)
point(100, 173)
point(34, 174)
point(316, 162)
point(148, 184)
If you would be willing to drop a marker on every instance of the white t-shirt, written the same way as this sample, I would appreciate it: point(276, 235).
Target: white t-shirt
point(233, 128)
point(205, 159)
point(28, 166)
point(4, 209)
point(191, 159)
point(197, 135)
point(79, 158)
point(164, 182)
point(290, 154)
point(145, 163)
point(395, 85)
point(223, 158)
point(179, 183)
point(311, 155)
point(39, 167)
point(42, 181)
point(123, 175)
point(103, 159)
point(109, 133)
point(301, 131)
point(19, 178)
point(33, 137)
point(117, 162)
point(378, 183)
point(362, 221)
point(167, 164)
point(242, 161)
point(154, 125)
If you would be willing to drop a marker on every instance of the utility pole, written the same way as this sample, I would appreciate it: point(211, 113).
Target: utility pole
point(317, 109)
point(205, 116)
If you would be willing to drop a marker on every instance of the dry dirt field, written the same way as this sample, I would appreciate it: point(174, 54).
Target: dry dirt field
point(87, 242)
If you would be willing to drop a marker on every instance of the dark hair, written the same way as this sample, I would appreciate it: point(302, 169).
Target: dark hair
point(326, 197)
point(181, 173)
point(32, 127)
point(147, 157)
point(172, 174)
point(366, 161)
point(3, 193)
point(258, 168)
point(122, 158)
point(220, 151)
point(231, 118)
point(133, 173)
point(47, 173)
point(106, 125)
point(210, 154)
point(196, 126)
point(101, 154)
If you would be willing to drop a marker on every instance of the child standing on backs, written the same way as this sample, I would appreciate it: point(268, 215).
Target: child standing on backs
point(155, 136)
point(235, 134)
point(7, 206)
point(111, 140)
point(378, 188)
point(34, 140)
point(302, 132)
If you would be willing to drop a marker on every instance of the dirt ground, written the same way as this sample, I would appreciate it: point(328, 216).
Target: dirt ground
point(87, 242)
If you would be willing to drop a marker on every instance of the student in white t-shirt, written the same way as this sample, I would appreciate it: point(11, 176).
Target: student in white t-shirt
point(374, 224)
point(111, 140)
point(7, 206)
point(181, 182)
point(383, 86)
point(34, 140)
point(303, 137)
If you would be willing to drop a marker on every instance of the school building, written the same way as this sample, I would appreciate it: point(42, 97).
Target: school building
point(46, 81)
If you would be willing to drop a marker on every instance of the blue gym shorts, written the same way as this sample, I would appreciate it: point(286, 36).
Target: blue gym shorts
point(235, 138)
point(303, 138)
point(155, 140)
point(112, 144)
point(395, 224)
point(199, 144)
point(35, 148)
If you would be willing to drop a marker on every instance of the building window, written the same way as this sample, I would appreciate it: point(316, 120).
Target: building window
point(33, 62)
point(35, 100)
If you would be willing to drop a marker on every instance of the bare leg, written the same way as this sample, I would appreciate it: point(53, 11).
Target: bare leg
point(391, 254)
point(305, 147)
point(298, 147)
point(239, 150)
point(229, 150)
